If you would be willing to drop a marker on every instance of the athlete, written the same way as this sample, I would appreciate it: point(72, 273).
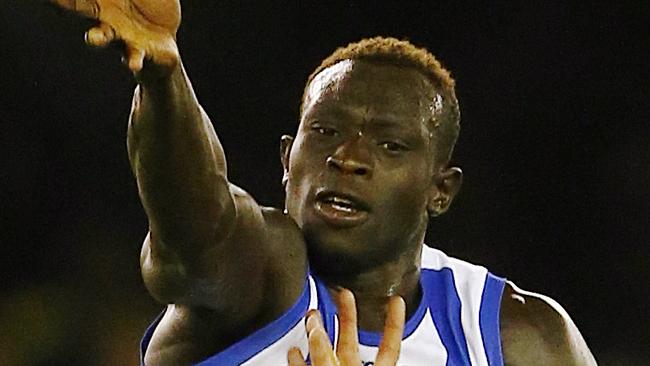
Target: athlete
point(367, 168)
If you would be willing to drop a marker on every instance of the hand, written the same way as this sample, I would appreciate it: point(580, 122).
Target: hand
point(347, 350)
point(147, 27)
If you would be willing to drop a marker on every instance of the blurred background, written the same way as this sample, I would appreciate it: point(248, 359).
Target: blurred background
point(554, 145)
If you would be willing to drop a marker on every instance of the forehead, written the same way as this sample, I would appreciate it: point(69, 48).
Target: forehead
point(381, 89)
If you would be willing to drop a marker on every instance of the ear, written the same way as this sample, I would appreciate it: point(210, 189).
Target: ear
point(446, 183)
point(286, 142)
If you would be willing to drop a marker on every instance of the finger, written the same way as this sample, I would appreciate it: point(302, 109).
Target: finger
point(313, 320)
point(89, 8)
point(347, 348)
point(135, 58)
point(100, 36)
point(391, 341)
point(320, 348)
point(295, 357)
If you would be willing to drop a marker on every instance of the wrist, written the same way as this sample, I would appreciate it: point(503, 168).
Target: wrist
point(160, 84)
point(155, 75)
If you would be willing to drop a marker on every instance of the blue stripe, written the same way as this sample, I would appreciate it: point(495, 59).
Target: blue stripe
point(489, 318)
point(255, 343)
point(444, 304)
point(146, 338)
point(248, 347)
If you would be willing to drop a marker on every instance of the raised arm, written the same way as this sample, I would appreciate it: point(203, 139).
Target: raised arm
point(208, 239)
point(182, 180)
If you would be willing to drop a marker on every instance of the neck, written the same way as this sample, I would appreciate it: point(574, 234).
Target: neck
point(372, 288)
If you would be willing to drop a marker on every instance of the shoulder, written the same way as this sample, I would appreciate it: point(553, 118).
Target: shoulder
point(277, 230)
point(536, 330)
point(435, 259)
point(465, 275)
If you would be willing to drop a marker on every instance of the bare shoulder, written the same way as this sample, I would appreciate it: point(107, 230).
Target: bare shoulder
point(258, 273)
point(288, 247)
point(274, 243)
point(260, 245)
point(536, 330)
point(280, 232)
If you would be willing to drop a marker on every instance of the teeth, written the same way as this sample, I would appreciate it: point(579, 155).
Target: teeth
point(342, 200)
point(342, 208)
point(341, 204)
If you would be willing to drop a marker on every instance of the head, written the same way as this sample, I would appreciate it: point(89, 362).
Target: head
point(370, 161)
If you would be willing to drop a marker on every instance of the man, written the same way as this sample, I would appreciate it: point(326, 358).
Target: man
point(368, 166)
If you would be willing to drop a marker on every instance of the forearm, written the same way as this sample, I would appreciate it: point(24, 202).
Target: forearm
point(179, 165)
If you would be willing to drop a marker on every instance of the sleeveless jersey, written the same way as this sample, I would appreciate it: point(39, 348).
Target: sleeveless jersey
point(456, 322)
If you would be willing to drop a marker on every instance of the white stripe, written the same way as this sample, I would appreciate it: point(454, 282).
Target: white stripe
point(469, 284)
point(336, 331)
point(422, 347)
point(469, 280)
point(313, 294)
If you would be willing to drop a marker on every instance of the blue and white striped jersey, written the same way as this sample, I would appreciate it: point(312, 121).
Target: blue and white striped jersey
point(456, 323)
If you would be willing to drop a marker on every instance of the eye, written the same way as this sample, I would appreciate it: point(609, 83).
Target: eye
point(323, 130)
point(393, 147)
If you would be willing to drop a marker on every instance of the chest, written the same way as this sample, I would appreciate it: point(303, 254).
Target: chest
point(422, 347)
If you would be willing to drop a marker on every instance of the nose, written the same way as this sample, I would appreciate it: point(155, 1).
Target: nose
point(351, 158)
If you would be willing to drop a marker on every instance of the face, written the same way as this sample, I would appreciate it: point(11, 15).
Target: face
point(360, 171)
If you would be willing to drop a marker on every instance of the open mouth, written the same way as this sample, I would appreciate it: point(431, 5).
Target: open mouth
point(340, 209)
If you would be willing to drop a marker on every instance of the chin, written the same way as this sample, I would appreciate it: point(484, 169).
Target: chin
point(342, 252)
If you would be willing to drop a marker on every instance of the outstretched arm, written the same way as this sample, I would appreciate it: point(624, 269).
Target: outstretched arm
point(208, 239)
point(181, 172)
point(536, 330)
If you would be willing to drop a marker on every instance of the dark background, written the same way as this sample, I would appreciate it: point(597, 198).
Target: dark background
point(554, 146)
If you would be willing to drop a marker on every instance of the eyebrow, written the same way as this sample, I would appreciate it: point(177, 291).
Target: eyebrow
point(384, 120)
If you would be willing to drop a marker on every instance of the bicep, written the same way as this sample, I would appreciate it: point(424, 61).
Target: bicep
point(222, 269)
